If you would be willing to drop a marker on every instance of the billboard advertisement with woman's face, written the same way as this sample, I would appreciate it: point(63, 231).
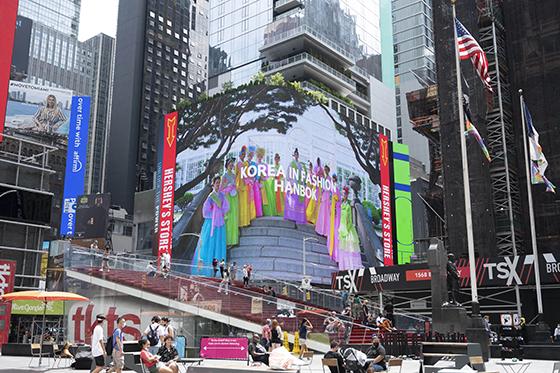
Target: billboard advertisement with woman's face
point(38, 108)
point(263, 171)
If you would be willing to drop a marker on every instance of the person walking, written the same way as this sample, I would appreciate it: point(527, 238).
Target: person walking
point(303, 329)
point(105, 262)
point(232, 273)
point(276, 333)
point(225, 282)
point(245, 277)
point(154, 334)
point(118, 351)
point(266, 334)
point(222, 268)
point(215, 266)
point(97, 344)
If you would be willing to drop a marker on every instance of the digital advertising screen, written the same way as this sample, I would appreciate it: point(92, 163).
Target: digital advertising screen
point(92, 215)
point(261, 174)
point(25, 206)
point(38, 108)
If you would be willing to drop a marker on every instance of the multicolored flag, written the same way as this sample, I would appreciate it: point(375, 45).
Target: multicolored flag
point(538, 160)
point(471, 129)
point(469, 48)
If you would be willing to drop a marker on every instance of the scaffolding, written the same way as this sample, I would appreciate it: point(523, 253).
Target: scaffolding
point(500, 134)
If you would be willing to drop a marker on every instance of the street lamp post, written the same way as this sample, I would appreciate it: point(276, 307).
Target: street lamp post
point(198, 264)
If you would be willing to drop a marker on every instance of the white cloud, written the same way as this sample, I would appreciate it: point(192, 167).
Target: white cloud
point(98, 16)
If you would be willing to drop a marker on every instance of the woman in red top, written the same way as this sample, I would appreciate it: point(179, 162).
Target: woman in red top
point(152, 362)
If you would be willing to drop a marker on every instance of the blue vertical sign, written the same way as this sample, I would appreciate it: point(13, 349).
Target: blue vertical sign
point(75, 162)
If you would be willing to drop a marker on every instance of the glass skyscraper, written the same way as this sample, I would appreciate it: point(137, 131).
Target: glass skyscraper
point(333, 44)
point(413, 47)
point(61, 15)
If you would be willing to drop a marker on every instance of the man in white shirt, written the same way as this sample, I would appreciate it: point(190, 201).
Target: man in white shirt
point(154, 332)
point(557, 334)
point(98, 345)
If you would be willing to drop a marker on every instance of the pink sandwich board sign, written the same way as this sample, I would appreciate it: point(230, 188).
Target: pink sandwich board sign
point(223, 348)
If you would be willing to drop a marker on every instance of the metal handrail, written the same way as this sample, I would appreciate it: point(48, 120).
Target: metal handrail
point(307, 29)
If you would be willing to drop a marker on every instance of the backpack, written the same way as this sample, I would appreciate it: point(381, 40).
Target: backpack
point(109, 345)
point(152, 336)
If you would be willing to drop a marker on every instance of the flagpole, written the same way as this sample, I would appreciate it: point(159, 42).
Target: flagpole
point(466, 184)
point(531, 211)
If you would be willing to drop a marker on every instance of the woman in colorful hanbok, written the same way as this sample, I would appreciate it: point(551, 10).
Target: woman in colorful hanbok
point(268, 208)
point(311, 201)
point(228, 187)
point(349, 256)
point(323, 225)
point(332, 238)
point(255, 204)
point(242, 190)
point(213, 235)
point(294, 206)
point(278, 193)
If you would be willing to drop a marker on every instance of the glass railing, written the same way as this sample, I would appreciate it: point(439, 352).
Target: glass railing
point(360, 71)
point(307, 29)
point(361, 95)
point(305, 56)
point(284, 2)
point(254, 303)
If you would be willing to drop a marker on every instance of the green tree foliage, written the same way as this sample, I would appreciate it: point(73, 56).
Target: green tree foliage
point(218, 122)
point(226, 86)
point(277, 79)
point(184, 201)
point(258, 78)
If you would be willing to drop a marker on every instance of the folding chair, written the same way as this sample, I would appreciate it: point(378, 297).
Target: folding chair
point(307, 357)
point(330, 363)
point(36, 352)
point(395, 363)
point(477, 363)
point(58, 355)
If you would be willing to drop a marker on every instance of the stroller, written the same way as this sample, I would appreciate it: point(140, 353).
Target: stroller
point(356, 360)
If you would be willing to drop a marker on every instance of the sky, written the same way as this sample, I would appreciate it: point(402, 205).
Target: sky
point(98, 16)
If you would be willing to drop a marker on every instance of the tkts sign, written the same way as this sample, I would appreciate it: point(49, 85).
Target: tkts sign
point(502, 271)
point(7, 274)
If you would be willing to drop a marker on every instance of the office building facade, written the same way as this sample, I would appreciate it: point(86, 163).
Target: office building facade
point(161, 57)
point(102, 48)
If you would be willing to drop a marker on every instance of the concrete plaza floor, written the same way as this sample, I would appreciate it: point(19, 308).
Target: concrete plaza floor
point(19, 364)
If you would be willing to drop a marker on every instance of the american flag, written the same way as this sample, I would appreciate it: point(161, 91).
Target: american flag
point(468, 47)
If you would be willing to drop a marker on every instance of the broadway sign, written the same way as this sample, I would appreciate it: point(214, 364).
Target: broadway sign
point(490, 272)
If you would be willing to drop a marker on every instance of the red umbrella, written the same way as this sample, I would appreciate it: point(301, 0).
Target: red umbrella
point(43, 296)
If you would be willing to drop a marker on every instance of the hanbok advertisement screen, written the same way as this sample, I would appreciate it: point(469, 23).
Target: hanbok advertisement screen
point(264, 173)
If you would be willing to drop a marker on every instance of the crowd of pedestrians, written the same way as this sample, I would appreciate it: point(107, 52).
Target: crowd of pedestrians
point(158, 354)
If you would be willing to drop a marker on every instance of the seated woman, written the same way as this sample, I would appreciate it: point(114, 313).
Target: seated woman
point(152, 362)
point(383, 323)
point(168, 352)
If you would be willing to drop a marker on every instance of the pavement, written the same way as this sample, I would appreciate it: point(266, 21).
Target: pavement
point(19, 364)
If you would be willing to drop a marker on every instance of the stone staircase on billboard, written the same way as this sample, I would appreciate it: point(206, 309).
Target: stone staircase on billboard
point(274, 247)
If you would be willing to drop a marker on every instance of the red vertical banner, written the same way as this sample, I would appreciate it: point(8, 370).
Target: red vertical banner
point(167, 184)
point(7, 276)
point(8, 10)
point(386, 200)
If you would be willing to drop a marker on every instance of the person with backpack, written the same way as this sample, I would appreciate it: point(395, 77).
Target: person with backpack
point(97, 345)
point(154, 334)
point(118, 351)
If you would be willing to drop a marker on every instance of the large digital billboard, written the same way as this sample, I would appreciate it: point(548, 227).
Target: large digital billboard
point(92, 215)
point(75, 163)
point(264, 171)
point(38, 108)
